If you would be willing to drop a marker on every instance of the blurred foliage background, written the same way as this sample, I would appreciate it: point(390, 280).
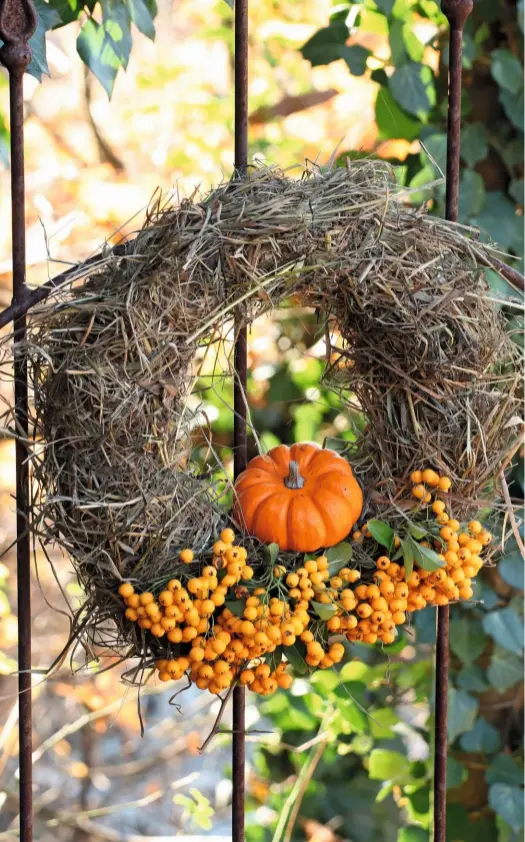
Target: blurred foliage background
point(348, 756)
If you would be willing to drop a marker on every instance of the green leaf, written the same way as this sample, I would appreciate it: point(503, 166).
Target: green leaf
point(381, 532)
point(507, 802)
point(392, 121)
point(236, 606)
point(462, 712)
point(96, 49)
point(326, 45)
point(505, 669)
point(471, 194)
point(499, 220)
point(271, 553)
point(274, 658)
point(483, 737)
point(503, 769)
point(382, 722)
point(295, 656)
point(456, 773)
point(507, 71)
point(324, 610)
point(506, 628)
point(417, 532)
point(467, 639)
point(516, 190)
point(142, 18)
point(117, 24)
point(511, 570)
point(355, 58)
point(385, 6)
point(425, 557)
point(388, 765)
point(435, 152)
point(47, 18)
point(409, 89)
point(408, 557)
point(354, 715)
point(404, 44)
point(412, 833)
point(513, 107)
point(473, 679)
point(339, 553)
point(474, 143)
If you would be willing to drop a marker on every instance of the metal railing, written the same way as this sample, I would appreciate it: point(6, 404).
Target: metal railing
point(17, 24)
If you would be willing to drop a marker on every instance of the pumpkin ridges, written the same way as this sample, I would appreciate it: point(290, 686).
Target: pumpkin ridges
point(305, 519)
point(303, 454)
point(324, 461)
point(280, 456)
point(263, 463)
point(248, 479)
point(244, 511)
point(269, 519)
point(335, 511)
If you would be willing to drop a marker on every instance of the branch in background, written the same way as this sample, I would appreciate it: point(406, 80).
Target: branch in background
point(105, 150)
point(290, 105)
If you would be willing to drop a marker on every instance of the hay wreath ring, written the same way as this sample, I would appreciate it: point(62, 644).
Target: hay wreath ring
point(423, 353)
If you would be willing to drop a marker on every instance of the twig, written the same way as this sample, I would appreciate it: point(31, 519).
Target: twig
point(292, 806)
point(510, 510)
point(215, 729)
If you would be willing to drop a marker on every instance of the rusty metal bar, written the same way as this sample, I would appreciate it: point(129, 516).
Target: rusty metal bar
point(17, 24)
point(457, 12)
point(240, 450)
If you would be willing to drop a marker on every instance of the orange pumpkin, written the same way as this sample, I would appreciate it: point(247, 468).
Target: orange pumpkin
point(300, 497)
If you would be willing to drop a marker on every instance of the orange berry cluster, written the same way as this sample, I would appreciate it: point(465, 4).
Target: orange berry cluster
point(313, 608)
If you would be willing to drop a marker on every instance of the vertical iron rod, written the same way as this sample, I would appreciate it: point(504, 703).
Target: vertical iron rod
point(457, 12)
point(240, 452)
point(17, 24)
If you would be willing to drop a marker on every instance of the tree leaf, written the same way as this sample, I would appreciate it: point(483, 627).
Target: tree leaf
point(506, 628)
point(324, 610)
point(404, 44)
point(295, 656)
point(513, 107)
point(381, 532)
point(507, 802)
point(474, 143)
point(385, 765)
point(436, 150)
point(410, 90)
point(47, 18)
point(416, 531)
point(511, 570)
point(326, 45)
point(117, 25)
point(382, 722)
point(503, 769)
point(483, 737)
point(385, 6)
point(142, 18)
point(236, 606)
point(425, 557)
point(408, 557)
point(96, 49)
point(392, 121)
point(507, 70)
point(467, 639)
point(340, 552)
point(505, 669)
point(462, 712)
point(355, 58)
point(271, 553)
point(354, 715)
point(412, 833)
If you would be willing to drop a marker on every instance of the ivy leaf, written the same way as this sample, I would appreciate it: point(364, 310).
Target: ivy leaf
point(507, 802)
point(355, 58)
point(295, 656)
point(473, 679)
point(324, 610)
point(326, 45)
point(381, 532)
point(456, 773)
point(96, 49)
point(467, 640)
point(392, 121)
point(142, 18)
point(409, 89)
point(462, 712)
point(408, 557)
point(474, 143)
point(506, 628)
point(505, 669)
point(503, 769)
point(506, 70)
point(483, 737)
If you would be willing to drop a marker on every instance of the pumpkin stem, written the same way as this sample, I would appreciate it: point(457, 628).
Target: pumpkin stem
point(294, 480)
